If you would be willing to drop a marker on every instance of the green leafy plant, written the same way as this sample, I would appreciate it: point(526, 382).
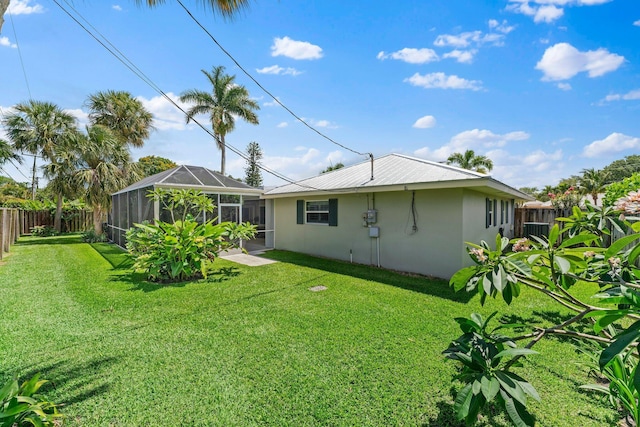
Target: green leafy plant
point(43, 231)
point(619, 189)
point(553, 265)
point(183, 249)
point(22, 405)
point(91, 236)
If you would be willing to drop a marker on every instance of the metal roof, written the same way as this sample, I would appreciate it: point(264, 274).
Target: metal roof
point(195, 177)
point(395, 171)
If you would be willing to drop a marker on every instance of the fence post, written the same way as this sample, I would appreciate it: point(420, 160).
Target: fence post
point(16, 226)
point(1, 232)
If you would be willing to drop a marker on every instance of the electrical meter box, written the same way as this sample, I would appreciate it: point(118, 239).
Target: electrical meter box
point(372, 216)
point(374, 231)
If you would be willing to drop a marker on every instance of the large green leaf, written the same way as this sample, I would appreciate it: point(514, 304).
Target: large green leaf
point(463, 402)
point(620, 244)
point(622, 341)
point(490, 387)
point(512, 352)
point(517, 412)
point(512, 387)
point(460, 279)
point(579, 239)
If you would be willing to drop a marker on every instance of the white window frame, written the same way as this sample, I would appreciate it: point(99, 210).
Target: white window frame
point(307, 212)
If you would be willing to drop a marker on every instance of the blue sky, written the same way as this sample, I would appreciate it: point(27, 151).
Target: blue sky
point(545, 88)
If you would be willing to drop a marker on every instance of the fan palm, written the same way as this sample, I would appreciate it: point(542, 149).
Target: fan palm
point(226, 8)
point(123, 114)
point(469, 160)
point(226, 101)
point(7, 152)
point(103, 167)
point(593, 182)
point(38, 128)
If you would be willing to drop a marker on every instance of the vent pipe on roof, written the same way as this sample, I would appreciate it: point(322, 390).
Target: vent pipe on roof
point(371, 157)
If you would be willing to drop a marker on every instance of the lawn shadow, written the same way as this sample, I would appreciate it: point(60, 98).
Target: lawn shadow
point(446, 416)
point(114, 255)
point(73, 381)
point(64, 239)
point(416, 283)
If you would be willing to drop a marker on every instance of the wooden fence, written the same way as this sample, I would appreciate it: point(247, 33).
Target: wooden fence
point(9, 229)
point(72, 220)
point(536, 216)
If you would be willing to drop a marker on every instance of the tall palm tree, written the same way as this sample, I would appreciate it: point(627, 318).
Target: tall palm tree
point(123, 114)
point(593, 182)
point(8, 153)
point(469, 160)
point(103, 167)
point(226, 101)
point(38, 128)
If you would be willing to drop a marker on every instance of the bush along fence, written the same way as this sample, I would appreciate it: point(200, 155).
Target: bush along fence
point(9, 229)
point(72, 220)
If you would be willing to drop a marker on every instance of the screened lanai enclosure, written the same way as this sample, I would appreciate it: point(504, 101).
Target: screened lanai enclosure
point(234, 201)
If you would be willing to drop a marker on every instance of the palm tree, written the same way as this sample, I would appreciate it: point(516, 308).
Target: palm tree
point(38, 128)
point(469, 160)
point(103, 167)
point(226, 101)
point(593, 182)
point(7, 152)
point(123, 114)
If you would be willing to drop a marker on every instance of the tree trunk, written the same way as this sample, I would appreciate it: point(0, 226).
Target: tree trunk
point(33, 180)
point(57, 219)
point(97, 219)
point(4, 5)
point(223, 149)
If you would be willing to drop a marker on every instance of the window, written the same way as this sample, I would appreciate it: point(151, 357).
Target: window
point(488, 213)
point(317, 212)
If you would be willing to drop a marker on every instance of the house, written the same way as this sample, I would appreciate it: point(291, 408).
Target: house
point(234, 200)
point(396, 212)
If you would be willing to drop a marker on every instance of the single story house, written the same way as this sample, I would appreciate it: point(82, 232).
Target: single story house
point(234, 200)
point(396, 212)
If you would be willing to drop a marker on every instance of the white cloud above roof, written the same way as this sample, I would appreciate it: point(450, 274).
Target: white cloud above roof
point(547, 11)
point(117, 7)
point(294, 49)
point(614, 143)
point(277, 70)
point(24, 7)
point(442, 81)
point(629, 96)
point(4, 41)
point(411, 55)
point(637, 23)
point(165, 115)
point(562, 61)
point(564, 86)
point(462, 56)
point(469, 38)
point(425, 122)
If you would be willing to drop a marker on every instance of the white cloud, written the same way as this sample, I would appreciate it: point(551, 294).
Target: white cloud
point(307, 162)
point(411, 55)
point(442, 81)
point(637, 23)
point(613, 143)
point(548, 14)
point(564, 86)
point(282, 124)
point(547, 10)
point(24, 7)
point(272, 103)
point(503, 26)
point(295, 49)
point(467, 38)
point(425, 122)
point(117, 7)
point(323, 124)
point(4, 41)
point(165, 115)
point(463, 56)
point(277, 70)
point(563, 61)
point(471, 139)
point(629, 96)
point(81, 115)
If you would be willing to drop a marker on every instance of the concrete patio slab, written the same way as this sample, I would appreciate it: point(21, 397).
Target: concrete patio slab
point(250, 260)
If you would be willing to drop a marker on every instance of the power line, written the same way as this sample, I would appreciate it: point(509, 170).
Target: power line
point(24, 72)
point(134, 69)
point(264, 89)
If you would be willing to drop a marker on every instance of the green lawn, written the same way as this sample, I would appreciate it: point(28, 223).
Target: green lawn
point(252, 345)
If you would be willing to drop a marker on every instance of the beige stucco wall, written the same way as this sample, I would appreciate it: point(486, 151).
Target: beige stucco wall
point(435, 249)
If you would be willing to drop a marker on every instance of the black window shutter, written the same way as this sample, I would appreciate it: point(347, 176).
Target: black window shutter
point(501, 211)
point(300, 211)
point(487, 221)
point(495, 212)
point(333, 212)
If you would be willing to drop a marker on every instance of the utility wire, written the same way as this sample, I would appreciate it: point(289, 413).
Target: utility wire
point(263, 88)
point(134, 69)
point(24, 72)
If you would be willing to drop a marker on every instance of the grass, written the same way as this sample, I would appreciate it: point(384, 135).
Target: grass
point(253, 346)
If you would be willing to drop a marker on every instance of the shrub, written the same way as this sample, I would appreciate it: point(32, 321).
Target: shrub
point(43, 231)
point(92, 237)
point(22, 405)
point(620, 189)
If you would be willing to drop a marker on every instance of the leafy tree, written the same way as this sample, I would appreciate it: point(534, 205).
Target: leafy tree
point(333, 167)
point(554, 265)
point(592, 182)
point(226, 101)
point(253, 175)
point(151, 165)
point(623, 168)
point(40, 128)
point(469, 160)
point(7, 153)
point(617, 190)
point(123, 114)
point(532, 191)
point(103, 167)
